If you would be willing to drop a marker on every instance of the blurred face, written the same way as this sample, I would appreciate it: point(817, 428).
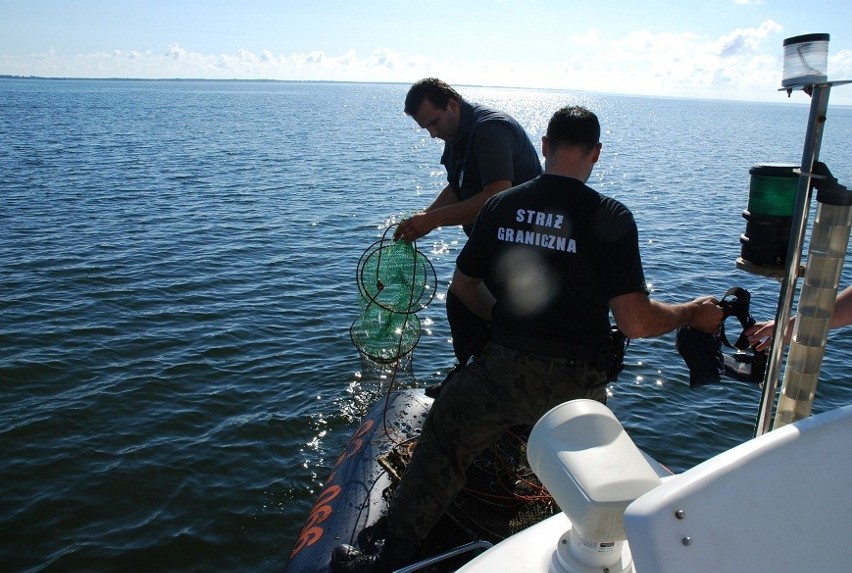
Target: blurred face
point(440, 123)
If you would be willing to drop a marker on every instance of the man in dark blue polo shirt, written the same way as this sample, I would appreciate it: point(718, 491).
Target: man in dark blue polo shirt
point(486, 151)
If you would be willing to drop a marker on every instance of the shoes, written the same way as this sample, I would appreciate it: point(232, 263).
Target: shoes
point(433, 390)
point(387, 552)
point(347, 559)
point(392, 554)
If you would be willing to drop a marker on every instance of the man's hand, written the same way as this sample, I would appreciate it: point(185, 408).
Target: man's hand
point(707, 315)
point(760, 334)
point(414, 227)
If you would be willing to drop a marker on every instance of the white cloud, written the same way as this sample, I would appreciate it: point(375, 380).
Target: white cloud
point(385, 59)
point(840, 65)
point(591, 38)
point(747, 41)
point(743, 64)
point(175, 52)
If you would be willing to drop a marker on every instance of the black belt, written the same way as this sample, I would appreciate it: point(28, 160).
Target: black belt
point(556, 351)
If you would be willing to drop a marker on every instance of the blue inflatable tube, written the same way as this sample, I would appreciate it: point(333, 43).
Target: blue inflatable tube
point(352, 499)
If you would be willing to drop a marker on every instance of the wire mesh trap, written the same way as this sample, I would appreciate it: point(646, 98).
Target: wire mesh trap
point(395, 281)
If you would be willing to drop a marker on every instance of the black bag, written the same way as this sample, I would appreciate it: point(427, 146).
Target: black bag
point(703, 354)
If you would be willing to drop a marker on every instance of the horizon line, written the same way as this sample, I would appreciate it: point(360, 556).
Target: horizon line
point(269, 80)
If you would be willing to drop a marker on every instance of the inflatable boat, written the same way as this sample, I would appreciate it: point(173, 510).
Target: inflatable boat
point(502, 495)
point(779, 502)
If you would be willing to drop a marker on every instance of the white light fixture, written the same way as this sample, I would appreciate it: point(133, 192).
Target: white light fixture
point(805, 60)
point(593, 470)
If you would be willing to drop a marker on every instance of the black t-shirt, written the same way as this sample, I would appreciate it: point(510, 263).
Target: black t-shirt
point(554, 251)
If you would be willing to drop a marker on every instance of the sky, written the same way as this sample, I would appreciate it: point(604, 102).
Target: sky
point(708, 49)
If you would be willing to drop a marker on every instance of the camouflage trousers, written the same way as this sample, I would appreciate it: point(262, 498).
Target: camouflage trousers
point(500, 389)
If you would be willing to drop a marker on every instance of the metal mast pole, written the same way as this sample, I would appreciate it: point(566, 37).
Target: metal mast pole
point(810, 154)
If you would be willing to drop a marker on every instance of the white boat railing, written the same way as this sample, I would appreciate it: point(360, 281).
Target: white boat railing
point(460, 550)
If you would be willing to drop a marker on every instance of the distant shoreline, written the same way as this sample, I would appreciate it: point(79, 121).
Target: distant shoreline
point(352, 82)
point(255, 80)
point(76, 78)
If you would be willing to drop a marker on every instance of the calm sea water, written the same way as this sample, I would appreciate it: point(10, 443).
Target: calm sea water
point(177, 281)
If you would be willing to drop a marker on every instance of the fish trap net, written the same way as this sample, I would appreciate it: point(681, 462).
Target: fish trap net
point(395, 281)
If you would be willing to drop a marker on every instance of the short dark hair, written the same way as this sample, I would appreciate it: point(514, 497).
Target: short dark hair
point(574, 125)
point(433, 89)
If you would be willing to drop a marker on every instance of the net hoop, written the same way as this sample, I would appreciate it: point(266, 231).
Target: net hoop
point(395, 281)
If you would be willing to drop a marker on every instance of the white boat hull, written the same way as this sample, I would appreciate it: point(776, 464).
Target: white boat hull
point(781, 502)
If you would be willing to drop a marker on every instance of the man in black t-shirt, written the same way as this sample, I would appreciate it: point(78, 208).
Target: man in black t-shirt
point(560, 257)
point(486, 151)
